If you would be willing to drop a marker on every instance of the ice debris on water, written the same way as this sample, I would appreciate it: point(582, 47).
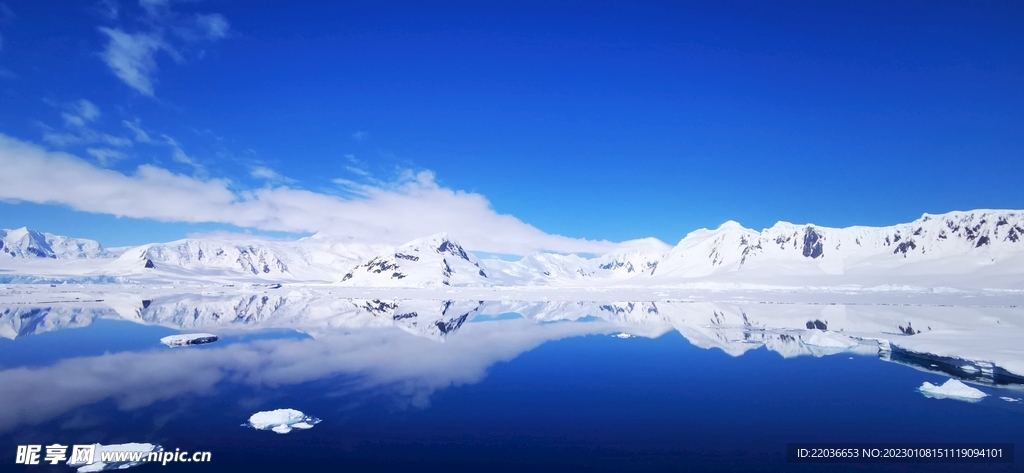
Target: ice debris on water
point(623, 335)
point(186, 339)
point(1009, 399)
point(952, 389)
point(281, 421)
point(98, 465)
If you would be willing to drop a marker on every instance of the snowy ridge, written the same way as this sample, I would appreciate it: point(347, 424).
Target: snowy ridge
point(253, 259)
point(434, 261)
point(26, 243)
point(980, 235)
point(640, 257)
point(309, 259)
point(976, 249)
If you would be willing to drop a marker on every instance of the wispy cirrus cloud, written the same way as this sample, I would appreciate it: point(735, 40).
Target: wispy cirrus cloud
point(136, 127)
point(81, 113)
point(6, 17)
point(106, 156)
point(108, 9)
point(132, 56)
point(269, 175)
point(79, 117)
point(178, 155)
point(412, 206)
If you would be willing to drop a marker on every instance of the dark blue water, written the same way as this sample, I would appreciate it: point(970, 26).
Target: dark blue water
point(571, 403)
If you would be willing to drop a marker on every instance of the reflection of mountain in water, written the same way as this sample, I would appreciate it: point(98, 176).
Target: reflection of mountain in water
point(979, 372)
point(788, 329)
point(358, 338)
point(18, 321)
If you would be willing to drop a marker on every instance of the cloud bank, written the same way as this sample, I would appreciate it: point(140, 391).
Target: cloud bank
point(413, 207)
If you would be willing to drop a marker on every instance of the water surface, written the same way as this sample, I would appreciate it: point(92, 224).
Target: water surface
point(487, 386)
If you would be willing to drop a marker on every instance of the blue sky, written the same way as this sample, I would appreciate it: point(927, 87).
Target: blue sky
point(590, 120)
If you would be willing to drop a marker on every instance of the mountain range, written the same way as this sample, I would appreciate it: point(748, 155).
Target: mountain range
point(980, 248)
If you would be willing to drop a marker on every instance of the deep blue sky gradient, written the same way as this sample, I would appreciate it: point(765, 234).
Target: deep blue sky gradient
point(601, 120)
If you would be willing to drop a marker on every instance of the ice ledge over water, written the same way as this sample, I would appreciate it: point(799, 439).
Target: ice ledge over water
point(952, 389)
point(281, 421)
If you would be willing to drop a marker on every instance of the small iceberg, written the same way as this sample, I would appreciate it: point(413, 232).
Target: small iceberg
point(623, 335)
point(91, 462)
point(281, 421)
point(952, 389)
point(1009, 399)
point(186, 339)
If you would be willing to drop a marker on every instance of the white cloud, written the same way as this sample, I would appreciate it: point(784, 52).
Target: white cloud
point(87, 136)
point(178, 155)
point(136, 127)
point(213, 26)
point(153, 7)
point(107, 9)
point(380, 357)
point(270, 175)
point(105, 156)
point(80, 113)
point(360, 135)
point(132, 57)
point(358, 171)
point(77, 118)
point(413, 207)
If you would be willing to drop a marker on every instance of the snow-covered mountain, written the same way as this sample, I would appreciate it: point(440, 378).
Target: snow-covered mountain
point(639, 257)
point(437, 260)
point(27, 243)
point(971, 238)
point(314, 259)
point(978, 249)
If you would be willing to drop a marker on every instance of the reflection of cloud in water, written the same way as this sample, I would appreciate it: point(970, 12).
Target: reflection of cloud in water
point(375, 356)
point(370, 341)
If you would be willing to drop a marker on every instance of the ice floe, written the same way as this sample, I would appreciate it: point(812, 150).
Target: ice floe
point(952, 389)
point(623, 335)
point(1009, 399)
point(186, 339)
point(281, 421)
point(98, 465)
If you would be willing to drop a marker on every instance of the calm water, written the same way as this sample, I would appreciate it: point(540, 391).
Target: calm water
point(467, 388)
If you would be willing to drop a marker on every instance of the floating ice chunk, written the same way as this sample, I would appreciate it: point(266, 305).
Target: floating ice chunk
point(1009, 399)
point(952, 389)
point(825, 339)
point(623, 335)
point(99, 465)
point(281, 421)
point(186, 339)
